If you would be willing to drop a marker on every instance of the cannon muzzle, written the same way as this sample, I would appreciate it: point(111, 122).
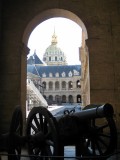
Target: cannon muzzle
point(95, 111)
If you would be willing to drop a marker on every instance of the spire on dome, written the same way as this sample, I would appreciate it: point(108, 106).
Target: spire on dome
point(54, 55)
point(54, 38)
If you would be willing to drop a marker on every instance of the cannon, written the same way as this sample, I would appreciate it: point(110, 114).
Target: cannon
point(92, 131)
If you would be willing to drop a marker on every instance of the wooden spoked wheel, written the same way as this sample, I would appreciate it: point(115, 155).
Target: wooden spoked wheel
point(42, 134)
point(101, 140)
point(16, 128)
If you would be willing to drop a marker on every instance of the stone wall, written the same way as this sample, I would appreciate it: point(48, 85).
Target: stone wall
point(102, 21)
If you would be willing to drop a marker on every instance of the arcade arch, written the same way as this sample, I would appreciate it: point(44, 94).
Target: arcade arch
point(51, 13)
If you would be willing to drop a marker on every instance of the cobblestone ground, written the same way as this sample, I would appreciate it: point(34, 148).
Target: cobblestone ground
point(69, 154)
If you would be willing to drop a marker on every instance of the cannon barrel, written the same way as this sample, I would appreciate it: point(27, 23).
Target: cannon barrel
point(98, 111)
point(94, 111)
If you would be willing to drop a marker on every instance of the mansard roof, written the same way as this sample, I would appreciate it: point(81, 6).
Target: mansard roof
point(34, 59)
point(54, 71)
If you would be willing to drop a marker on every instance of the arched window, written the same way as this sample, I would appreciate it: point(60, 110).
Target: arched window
point(44, 85)
point(56, 85)
point(78, 84)
point(57, 99)
point(79, 99)
point(70, 85)
point(64, 99)
point(44, 96)
point(63, 85)
point(50, 85)
point(70, 98)
point(49, 58)
point(50, 99)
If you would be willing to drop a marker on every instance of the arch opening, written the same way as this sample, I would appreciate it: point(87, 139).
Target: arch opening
point(51, 13)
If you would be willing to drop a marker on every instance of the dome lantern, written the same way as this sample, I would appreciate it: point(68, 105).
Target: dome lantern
point(54, 55)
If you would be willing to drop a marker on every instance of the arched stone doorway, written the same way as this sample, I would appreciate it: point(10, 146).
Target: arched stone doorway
point(51, 13)
point(17, 21)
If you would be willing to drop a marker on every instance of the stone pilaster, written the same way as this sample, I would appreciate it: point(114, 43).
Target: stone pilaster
point(24, 51)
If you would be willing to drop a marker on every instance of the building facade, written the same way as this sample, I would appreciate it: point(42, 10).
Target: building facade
point(58, 82)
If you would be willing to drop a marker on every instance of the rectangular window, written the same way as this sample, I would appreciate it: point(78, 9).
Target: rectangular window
point(55, 58)
point(49, 58)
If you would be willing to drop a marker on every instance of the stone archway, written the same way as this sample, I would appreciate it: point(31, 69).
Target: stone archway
point(51, 13)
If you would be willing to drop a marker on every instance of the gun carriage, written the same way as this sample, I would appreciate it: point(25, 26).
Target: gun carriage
point(92, 131)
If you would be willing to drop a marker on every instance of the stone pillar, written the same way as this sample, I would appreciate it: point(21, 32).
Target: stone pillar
point(74, 99)
point(67, 84)
point(85, 86)
point(24, 50)
point(0, 23)
point(53, 85)
point(47, 85)
point(60, 85)
point(73, 84)
point(66, 97)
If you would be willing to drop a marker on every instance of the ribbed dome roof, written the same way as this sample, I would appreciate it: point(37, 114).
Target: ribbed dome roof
point(54, 55)
point(53, 49)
